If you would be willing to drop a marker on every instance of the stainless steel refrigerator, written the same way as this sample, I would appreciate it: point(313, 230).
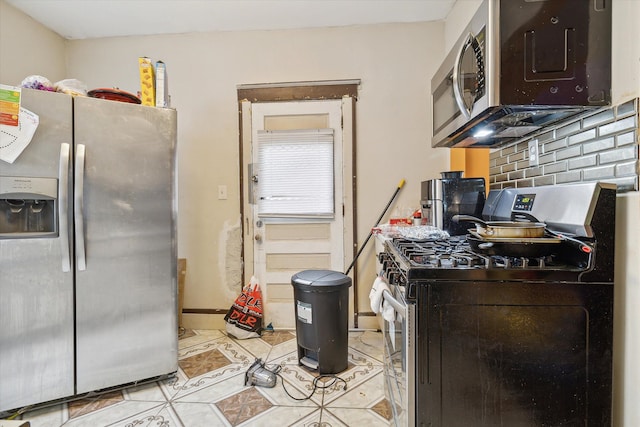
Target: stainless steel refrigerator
point(88, 295)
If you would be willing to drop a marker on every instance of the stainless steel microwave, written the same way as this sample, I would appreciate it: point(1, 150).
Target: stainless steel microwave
point(521, 65)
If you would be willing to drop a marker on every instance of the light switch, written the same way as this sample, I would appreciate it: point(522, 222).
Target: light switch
point(222, 192)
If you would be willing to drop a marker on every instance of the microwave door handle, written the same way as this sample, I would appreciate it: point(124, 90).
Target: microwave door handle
point(457, 91)
point(79, 207)
point(63, 206)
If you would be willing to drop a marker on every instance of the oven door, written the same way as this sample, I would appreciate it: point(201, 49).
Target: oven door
point(399, 358)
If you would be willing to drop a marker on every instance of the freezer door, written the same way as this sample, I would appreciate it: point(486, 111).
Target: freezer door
point(36, 290)
point(126, 316)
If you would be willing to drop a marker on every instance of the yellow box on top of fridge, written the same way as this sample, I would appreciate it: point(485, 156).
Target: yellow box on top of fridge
point(147, 81)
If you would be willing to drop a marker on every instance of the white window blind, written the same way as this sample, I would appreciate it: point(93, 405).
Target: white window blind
point(296, 173)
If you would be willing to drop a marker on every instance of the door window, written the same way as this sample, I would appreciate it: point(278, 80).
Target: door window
point(296, 173)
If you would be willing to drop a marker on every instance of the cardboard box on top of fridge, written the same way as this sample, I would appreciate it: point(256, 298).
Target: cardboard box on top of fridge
point(147, 81)
point(162, 85)
point(9, 105)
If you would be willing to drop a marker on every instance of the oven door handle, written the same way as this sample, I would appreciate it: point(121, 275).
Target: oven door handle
point(397, 305)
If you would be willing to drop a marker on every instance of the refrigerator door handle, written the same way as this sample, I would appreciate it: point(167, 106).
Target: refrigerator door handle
point(79, 208)
point(63, 206)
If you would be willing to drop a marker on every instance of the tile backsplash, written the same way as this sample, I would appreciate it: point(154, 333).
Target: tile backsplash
point(596, 146)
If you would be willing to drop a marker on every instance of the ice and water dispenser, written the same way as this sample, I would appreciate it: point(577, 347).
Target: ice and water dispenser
point(28, 207)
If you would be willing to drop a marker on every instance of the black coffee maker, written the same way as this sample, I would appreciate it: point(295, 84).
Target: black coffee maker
point(452, 195)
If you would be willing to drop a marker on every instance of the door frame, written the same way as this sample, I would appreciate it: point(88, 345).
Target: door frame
point(300, 91)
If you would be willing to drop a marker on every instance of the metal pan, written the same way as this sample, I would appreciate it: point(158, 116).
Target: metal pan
point(547, 239)
point(575, 243)
point(526, 248)
point(504, 229)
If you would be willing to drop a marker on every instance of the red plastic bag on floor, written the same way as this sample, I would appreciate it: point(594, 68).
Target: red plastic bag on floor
point(244, 318)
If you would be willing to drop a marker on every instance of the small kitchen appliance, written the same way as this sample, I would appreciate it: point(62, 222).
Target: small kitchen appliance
point(451, 195)
point(260, 376)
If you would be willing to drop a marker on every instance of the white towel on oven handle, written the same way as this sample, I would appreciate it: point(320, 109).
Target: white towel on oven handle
point(378, 304)
point(388, 312)
point(375, 295)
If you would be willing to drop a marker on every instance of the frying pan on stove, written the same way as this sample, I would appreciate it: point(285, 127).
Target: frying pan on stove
point(575, 243)
point(514, 247)
point(506, 229)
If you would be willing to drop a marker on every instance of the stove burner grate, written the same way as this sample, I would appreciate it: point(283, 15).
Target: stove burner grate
point(455, 253)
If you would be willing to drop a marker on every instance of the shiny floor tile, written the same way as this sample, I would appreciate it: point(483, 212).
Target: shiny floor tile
point(202, 363)
point(243, 406)
point(209, 389)
point(81, 407)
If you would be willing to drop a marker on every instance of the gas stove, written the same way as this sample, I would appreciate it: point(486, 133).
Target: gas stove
point(585, 216)
point(456, 253)
point(488, 330)
point(453, 252)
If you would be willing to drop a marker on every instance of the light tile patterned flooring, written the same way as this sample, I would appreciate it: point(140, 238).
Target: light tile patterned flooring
point(208, 389)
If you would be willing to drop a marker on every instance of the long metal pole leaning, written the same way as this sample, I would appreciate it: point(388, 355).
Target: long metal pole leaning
point(395, 193)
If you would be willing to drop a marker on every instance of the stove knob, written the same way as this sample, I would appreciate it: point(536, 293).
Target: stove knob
point(393, 277)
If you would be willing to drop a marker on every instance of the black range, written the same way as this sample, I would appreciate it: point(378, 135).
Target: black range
point(492, 336)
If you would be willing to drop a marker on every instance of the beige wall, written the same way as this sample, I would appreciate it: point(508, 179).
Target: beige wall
point(626, 50)
point(394, 63)
point(626, 338)
point(626, 85)
point(27, 48)
point(458, 18)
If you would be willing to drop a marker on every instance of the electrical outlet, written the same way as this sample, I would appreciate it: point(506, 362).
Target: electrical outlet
point(222, 192)
point(533, 153)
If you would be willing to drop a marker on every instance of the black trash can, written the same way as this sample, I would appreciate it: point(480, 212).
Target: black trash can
point(321, 303)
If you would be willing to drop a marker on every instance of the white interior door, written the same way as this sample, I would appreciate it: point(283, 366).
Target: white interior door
point(295, 225)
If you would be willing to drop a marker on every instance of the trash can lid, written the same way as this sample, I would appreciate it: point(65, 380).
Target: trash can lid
point(324, 278)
